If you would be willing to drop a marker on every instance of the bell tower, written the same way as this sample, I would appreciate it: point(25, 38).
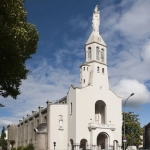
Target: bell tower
point(94, 70)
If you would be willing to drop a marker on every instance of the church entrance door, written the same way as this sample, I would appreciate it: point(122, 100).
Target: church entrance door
point(102, 141)
point(83, 144)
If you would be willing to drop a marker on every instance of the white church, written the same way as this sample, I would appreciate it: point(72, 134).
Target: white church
point(88, 117)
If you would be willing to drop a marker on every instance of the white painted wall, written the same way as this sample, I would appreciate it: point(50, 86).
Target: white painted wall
point(71, 98)
point(57, 134)
point(85, 110)
point(96, 87)
point(84, 75)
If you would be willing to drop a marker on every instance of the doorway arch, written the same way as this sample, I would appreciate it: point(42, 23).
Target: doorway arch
point(83, 144)
point(102, 140)
point(115, 144)
point(71, 142)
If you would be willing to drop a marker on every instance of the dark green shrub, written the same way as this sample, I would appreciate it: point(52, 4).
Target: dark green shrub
point(29, 147)
point(21, 148)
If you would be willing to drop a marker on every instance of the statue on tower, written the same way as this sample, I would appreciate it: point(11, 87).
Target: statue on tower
point(96, 19)
point(96, 9)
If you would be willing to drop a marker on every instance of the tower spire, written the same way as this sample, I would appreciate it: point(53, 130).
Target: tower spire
point(95, 36)
point(94, 70)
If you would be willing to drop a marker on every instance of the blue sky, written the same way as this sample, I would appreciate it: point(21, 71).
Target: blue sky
point(64, 26)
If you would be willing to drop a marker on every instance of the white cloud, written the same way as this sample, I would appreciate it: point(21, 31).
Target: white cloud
point(126, 87)
point(145, 53)
point(125, 27)
point(129, 65)
point(78, 22)
point(60, 55)
point(5, 121)
point(45, 83)
point(134, 23)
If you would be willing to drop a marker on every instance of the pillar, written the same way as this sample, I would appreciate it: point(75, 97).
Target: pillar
point(40, 115)
point(33, 133)
point(28, 129)
point(23, 129)
point(20, 132)
point(49, 103)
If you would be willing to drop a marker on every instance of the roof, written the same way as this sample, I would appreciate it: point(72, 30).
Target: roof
point(95, 37)
point(148, 125)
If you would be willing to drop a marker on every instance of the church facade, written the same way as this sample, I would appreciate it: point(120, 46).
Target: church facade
point(88, 117)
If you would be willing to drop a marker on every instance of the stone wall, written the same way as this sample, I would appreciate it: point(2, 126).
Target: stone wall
point(12, 136)
point(24, 133)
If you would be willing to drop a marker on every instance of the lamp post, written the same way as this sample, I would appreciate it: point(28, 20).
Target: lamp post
point(124, 138)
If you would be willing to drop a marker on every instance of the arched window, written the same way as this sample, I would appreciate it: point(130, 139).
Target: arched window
point(97, 69)
point(45, 119)
point(89, 52)
point(60, 121)
point(97, 53)
point(103, 70)
point(83, 80)
point(71, 109)
point(83, 144)
point(100, 108)
point(102, 55)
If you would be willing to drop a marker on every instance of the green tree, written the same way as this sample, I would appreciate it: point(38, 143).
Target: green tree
point(133, 130)
point(3, 142)
point(18, 41)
